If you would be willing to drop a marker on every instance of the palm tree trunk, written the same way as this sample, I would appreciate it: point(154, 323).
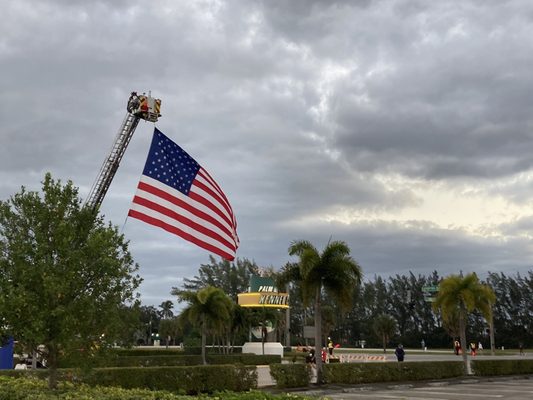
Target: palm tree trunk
point(491, 333)
point(384, 338)
point(318, 336)
point(204, 335)
point(462, 333)
point(287, 323)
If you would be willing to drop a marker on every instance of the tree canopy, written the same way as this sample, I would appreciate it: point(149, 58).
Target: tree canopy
point(209, 309)
point(458, 296)
point(64, 274)
point(232, 277)
point(333, 271)
point(384, 327)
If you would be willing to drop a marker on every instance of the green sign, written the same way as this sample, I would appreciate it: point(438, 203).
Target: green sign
point(430, 292)
point(262, 284)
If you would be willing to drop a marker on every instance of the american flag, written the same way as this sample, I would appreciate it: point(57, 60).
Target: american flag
point(175, 193)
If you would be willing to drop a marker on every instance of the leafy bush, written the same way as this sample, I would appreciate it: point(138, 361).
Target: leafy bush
point(174, 360)
point(355, 373)
point(22, 389)
point(502, 367)
point(136, 361)
point(190, 380)
point(291, 375)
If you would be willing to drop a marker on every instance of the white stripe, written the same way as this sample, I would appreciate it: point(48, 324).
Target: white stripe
point(215, 187)
point(170, 221)
point(187, 214)
point(213, 200)
point(176, 193)
point(193, 203)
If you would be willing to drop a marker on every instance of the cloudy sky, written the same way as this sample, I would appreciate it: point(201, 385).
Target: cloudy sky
point(404, 128)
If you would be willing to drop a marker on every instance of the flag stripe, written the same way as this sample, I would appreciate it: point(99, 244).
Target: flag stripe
point(183, 227)
point(203, 197)
point(179, 227)
point(202, 172)
point(203, 176)
point(179, 232)
point(163, 211)
point(150, 192)
point(204, 189)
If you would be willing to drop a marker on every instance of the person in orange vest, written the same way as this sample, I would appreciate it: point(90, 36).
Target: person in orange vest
point(457, 347)
point(472, 349)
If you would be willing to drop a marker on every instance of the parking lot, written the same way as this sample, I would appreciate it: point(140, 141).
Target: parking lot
point(468, 389)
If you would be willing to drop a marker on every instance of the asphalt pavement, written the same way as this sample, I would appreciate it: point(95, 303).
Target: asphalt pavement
point(468, 388)
point(505, 388)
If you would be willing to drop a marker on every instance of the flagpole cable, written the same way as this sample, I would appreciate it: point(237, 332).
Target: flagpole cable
point(124, 224)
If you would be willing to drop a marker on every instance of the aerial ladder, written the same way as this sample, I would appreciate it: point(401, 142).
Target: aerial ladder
point(139, 107)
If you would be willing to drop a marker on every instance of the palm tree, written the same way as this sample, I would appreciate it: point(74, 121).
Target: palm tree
point(209, 310)
point(458, 296)
point(487, 300)
point(166, 309)
point(334, 270)
point(384, 327)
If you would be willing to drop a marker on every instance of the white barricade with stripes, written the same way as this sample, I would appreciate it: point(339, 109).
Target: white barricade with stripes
point(347, 358)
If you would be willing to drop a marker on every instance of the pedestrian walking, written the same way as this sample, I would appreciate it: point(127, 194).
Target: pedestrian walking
point(472, 349)
point(330, 346)
point(311, 358)
point(456, 347)
point(400, 353)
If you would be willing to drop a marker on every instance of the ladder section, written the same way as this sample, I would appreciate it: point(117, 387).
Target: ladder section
point(111, 163)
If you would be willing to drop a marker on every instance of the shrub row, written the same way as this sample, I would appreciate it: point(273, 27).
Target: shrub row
point(291, 375)
point(354, 373)
point(502, 367)
point(22, 389)
point(161, 351)
point(189, 380)
point(171, 360)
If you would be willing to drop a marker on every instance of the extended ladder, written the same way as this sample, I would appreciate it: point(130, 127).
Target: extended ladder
point(139, 107)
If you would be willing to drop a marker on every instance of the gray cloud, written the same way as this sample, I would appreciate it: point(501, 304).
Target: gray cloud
point(299, 110)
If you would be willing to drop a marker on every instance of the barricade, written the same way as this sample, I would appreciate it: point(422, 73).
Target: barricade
point(347, 358)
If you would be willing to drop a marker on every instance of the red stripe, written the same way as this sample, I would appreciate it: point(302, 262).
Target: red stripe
point(202, 172)
point(179, 232)
point(202, 200)
point(185, 221)
point(214, 194)
point(183, 204)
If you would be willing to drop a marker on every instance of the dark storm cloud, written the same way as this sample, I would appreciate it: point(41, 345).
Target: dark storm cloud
point(446, 84)
point(299, 109)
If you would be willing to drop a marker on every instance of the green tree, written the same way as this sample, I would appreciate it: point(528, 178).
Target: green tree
point(64, 274)
point(209, 310)
point(334, 271)
point(384, 327)
point(170, 329)
point(457, 297)
point(232, 277)
point(166, 309)
point(149, 320)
